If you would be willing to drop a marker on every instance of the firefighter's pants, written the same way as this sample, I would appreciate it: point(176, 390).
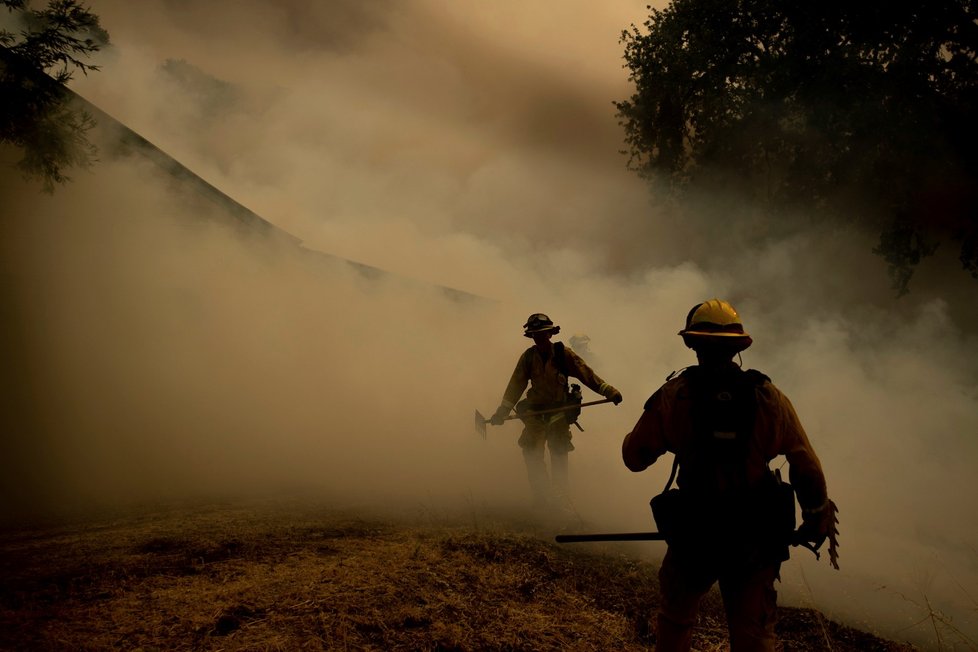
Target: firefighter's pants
point(551, 433)
point(749, 599)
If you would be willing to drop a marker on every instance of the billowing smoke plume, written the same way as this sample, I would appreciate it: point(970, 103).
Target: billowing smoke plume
point(154, 352)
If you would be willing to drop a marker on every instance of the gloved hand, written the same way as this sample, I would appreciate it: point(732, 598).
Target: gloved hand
point(809, 533)
point(818, 525)
point(499, 418)
point(815, 526)
point(614, 395)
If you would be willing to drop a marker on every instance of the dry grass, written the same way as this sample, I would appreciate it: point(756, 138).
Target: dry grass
point(301, 577)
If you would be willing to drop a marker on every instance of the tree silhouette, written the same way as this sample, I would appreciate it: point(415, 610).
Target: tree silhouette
point(862, 110)
point(38, 56)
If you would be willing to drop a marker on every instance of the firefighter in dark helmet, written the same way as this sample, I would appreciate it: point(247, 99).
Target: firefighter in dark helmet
point(546, 367)
point(728, 522)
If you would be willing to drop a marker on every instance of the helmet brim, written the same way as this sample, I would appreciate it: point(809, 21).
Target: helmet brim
point(530, 332)
point(729, 342)
point(686, 333)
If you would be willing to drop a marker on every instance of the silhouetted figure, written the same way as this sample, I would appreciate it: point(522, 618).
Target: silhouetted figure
point(581, 343)
point(546, 367)
point(731, 520)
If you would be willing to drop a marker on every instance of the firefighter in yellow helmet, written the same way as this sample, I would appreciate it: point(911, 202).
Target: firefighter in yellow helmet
point(729, 521)
point(546, 367)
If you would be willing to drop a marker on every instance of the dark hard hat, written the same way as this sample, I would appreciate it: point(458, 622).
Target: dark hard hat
point(539, 323)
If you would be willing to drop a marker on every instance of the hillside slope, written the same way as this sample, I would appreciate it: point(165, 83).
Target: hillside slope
point(301, 576)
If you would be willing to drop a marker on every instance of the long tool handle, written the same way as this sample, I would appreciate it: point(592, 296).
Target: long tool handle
point(613, 536)
point(562, 408)
point(481, 421)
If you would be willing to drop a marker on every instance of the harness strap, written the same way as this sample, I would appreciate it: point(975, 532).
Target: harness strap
point(672, 475)
point(560, 362)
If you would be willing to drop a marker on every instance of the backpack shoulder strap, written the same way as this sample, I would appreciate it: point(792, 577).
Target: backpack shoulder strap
point(672, 474)
point(560, 360)
point(528, 362)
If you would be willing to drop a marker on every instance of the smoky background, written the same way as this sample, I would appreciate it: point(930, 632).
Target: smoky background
point(154, 353)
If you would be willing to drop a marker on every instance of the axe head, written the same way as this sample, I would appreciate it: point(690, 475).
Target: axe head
point(480, 424)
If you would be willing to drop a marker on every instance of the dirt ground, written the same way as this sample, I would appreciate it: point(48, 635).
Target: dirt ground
point(301, 576)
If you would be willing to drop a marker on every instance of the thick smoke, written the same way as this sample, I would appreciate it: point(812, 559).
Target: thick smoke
point(156, 356)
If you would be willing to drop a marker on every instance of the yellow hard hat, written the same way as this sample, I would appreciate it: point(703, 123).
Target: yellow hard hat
point(715, 321)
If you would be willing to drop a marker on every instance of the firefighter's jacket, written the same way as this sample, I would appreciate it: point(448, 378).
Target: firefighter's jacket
point(548, 386)
point(667, 426)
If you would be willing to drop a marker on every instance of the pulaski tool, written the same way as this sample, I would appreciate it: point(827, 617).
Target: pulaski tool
point(481, 421)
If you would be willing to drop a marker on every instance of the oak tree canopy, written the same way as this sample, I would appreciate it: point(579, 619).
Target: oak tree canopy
point(851, 110)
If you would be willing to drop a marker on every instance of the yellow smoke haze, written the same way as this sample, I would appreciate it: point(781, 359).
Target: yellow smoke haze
point(155, 353)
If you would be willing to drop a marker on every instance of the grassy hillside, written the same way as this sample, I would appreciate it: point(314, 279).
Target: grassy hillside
point(304, 577)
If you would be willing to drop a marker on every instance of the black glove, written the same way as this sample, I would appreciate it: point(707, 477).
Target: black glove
point(808, 533)
point(499, 417)
point(614, 395)
point(814, 526)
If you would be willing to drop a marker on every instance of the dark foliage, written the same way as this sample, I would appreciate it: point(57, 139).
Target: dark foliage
point(862, 111)
point(37, 115)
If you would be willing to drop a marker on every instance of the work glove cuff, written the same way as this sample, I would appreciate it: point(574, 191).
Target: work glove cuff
point(499, 416)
